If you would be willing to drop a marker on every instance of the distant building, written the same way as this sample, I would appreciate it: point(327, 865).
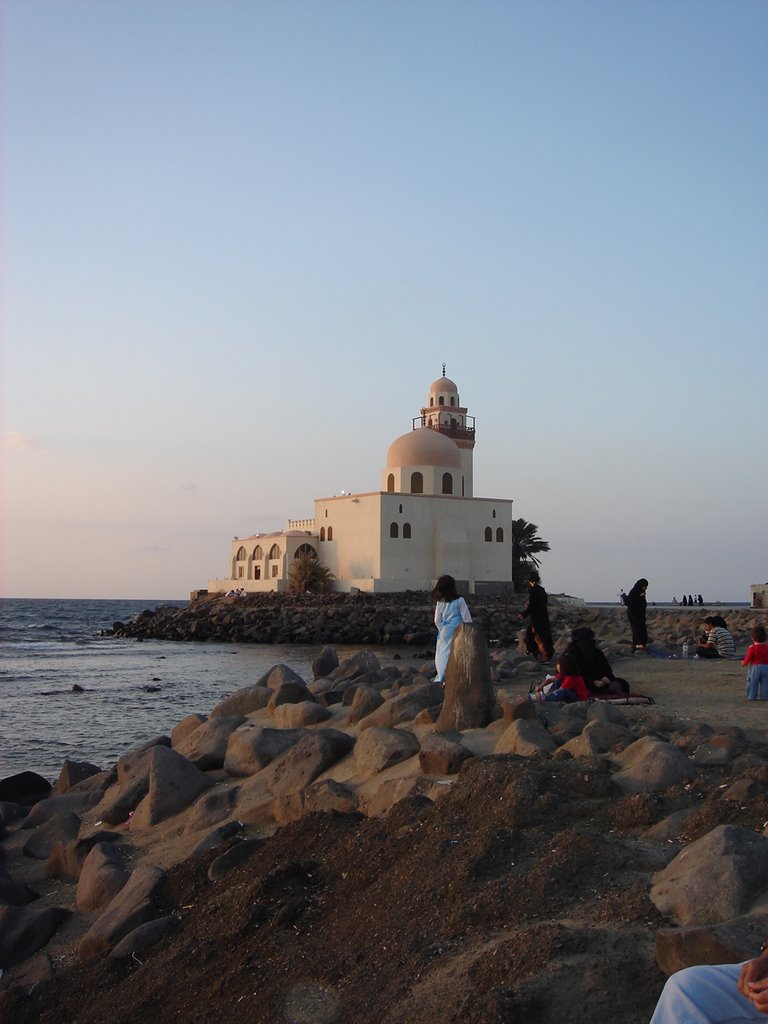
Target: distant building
point(425, 521)
point(759, 598)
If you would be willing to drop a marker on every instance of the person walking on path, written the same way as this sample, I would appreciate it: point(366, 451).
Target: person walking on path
point(756, 662)
point(636, 605)
point(450, 610)
point(538, 636)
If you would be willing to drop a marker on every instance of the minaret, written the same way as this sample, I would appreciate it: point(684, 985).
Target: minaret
point(444, 413)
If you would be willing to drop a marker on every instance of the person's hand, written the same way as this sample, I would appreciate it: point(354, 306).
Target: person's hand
point(753, 982)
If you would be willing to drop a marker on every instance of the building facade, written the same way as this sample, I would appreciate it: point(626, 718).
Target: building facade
point(425, 520)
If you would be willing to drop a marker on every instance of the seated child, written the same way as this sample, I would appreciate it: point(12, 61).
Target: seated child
point(756, 661)
point(567, 686)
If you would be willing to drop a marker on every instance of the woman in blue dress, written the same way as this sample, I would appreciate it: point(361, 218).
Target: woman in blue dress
point(450, 610)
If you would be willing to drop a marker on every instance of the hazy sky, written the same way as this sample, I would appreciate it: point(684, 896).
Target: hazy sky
point(240, 238)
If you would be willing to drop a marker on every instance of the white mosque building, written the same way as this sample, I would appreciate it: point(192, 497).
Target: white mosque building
point(425, 520)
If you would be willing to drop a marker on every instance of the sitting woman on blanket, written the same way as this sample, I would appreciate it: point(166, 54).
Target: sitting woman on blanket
point(593, 666)
point(567, 686)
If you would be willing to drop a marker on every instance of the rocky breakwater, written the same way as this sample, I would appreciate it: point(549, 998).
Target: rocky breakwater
point(477, 857)
point(407, 619)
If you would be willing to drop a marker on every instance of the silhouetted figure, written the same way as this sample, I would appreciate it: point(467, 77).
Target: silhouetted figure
point(538, 636)
point(700, 600)
point(636, 605)
point(690, 599)
point(685, 601)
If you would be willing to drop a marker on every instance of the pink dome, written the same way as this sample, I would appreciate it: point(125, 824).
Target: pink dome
point(424, 447)
point(444, 385)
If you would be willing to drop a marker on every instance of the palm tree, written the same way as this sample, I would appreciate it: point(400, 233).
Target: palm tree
point(308, 575)
point(526, 545)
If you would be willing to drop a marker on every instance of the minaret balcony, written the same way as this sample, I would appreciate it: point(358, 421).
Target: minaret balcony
point(452, 430)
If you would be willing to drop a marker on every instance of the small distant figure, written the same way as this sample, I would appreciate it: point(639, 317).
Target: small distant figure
point(756, 662)
point(622, 596)
point(636, 606)
point(674, 602)
point(690, 599)
point(685, 601)
point(699, 600)
point(450, 610)
point(566, 687)
point(717, 641)
point(538, 636)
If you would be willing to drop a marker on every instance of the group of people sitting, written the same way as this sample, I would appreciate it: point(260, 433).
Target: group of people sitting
point(716, 640)
point(583, 672)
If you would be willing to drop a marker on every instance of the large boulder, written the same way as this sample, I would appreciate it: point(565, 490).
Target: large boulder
point(145, 936)
point(101, 878)
point(131, 786)
point(24, 788)
point(377, 749)
point(731, 942)
point(55, 806)
point(403, 708)
point(73, 772)
point(299, 716)
point(469, 694)
point(41, 842)
point(132, 906)
point(174, 783)
point(324, 663)
point(650, 765)
point(214, 806)
point(293, 691)
point(252, 747)
point(182, 729)
point(714, 878)
point(24, 930)
point(442, 755)
point(68, 856)
point(356, 665)
point(206, 746)
point(310, 757)
point(525, 738)
point(278, 676)
point(365, 701)
point(244, 701)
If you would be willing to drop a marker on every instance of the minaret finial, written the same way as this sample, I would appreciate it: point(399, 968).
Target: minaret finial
point(443, 369)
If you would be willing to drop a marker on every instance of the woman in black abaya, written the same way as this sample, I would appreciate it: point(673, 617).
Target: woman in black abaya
point(538, 636)
point(636, 605)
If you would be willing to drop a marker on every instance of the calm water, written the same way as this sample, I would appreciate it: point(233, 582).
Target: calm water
point(133, 689)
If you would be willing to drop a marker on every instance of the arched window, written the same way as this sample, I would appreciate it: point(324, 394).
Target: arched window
point(441, 400)
point(258, 551)
point(488, 533)
point(330, 533)
point(493, 514)
point(431, 399)
point(257, 573)
point(406, 531)
point(304, 549)
point(393, 530)
point(241, 554)
point(391, 483)
point(447, 483)
point(499, 536)
point(453, 402)
point(322, 533)
point(400, 508)
point(274, 552)
point(417, 483)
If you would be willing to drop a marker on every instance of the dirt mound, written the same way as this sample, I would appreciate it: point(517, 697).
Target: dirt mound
point(520, 896)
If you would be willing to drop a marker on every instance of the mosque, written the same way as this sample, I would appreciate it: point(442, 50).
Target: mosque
point(425, 521)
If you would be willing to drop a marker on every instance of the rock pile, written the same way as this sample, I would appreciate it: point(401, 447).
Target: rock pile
point(494, 814)
point(403, 619)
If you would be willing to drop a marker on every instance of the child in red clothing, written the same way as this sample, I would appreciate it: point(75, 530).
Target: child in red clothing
point(567, 686)
point(756, 661)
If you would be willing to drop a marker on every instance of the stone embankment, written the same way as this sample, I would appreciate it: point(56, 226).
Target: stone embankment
point(405, 619)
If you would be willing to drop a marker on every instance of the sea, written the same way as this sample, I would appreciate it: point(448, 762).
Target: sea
point(132, 690)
